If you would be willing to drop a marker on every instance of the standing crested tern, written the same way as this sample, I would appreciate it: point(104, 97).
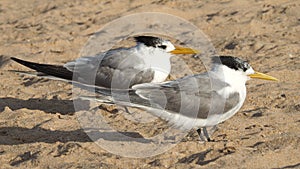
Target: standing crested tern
point(146, 62)
point(196, 101)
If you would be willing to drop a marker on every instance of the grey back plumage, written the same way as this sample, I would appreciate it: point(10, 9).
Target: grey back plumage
point(192, 96)
point(117, 68)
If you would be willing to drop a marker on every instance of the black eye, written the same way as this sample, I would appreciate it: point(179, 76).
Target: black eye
point(245, 67)
point(162, 46)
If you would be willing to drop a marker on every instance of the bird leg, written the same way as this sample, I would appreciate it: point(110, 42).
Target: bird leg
point(205, 134)
point(126, 110)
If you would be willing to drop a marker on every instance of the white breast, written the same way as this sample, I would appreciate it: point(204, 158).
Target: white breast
point(160, 76)
point(157, 60)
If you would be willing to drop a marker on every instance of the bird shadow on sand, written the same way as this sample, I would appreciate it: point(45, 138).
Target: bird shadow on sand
point(203, 158)
point(198, 158)
point(20, 135)
point(64, 107)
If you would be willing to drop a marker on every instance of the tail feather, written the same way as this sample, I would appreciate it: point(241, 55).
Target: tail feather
point(56, 72)
point(53, 70)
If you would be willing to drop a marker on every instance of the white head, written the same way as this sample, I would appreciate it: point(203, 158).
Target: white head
point(235, 70)
point(162, 45)
point(156, 53)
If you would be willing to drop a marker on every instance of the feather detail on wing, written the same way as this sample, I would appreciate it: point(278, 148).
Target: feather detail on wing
point(184, 103)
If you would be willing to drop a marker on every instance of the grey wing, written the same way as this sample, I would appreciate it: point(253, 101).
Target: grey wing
point(192, 96)
point(118, 68)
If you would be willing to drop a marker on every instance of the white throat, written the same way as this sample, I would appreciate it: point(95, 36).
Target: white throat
point(157, 59)
point(235, 78)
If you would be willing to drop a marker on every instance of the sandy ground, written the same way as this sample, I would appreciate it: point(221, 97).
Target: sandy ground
point(38, 123)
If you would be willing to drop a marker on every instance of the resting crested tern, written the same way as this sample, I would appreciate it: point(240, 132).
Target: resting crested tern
point(195, 101)
point(147, 62)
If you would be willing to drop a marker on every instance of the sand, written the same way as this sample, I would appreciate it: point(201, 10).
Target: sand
point(39, 126)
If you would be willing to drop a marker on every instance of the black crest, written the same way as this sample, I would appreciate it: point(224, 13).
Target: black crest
point(148, 40)
point(231, 62)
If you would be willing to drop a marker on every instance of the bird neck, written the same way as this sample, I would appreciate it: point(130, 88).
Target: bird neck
point(233, 77)
point(154, 57)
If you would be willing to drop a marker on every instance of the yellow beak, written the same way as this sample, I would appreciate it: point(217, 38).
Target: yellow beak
point(259, 75)
point(182, 50)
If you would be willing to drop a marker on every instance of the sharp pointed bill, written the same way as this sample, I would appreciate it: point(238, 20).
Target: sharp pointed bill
point(263, 76)
point(182, 50)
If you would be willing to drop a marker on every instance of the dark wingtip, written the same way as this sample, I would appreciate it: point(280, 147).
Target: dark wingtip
point(52, 70)
point(15, 59)
point(22, 62)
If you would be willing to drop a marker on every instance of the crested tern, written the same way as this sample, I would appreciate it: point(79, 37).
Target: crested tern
point(195, 101)
point(146, 62)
